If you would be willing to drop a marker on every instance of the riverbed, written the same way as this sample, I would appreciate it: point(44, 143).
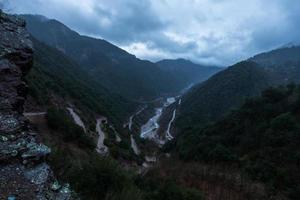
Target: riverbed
point(149, 130)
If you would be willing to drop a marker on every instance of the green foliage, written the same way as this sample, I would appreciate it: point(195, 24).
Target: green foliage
point(98, 178)
point(262, 136)
point(284, 122)
point(224, 91)
point(158, 188)
point(74, 159)
point(107, 65)
point(119, 150)
point(94, 177)
point(55, 74)
point(91, 176)
point(227, 90)
point(59, 120)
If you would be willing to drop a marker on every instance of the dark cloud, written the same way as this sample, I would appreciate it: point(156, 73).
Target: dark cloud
point(206, 31)
point(132, 21)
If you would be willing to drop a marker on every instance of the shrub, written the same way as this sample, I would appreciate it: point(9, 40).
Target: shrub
point(60, 121)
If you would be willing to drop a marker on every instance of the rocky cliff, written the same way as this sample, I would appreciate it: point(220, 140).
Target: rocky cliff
point(24, 174)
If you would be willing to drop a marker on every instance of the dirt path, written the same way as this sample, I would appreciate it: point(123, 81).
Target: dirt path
point(76, 118)
point(101, 148)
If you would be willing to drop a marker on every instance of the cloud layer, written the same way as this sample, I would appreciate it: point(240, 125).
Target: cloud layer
point(206, 31)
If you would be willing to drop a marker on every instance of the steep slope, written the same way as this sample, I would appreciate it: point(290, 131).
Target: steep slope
point(56, 79)
point(260, 139)
point(186, 71)
point(278, 57)
point(228, 89)
point(282, 64)
point(56, 74)
point(106, 64)
point(24, 174)
point(222, 92)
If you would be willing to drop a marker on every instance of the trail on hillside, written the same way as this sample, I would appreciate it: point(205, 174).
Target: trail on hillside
point(77, 119)
point(101, 148)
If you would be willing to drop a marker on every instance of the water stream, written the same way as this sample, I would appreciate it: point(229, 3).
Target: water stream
point(149, 130)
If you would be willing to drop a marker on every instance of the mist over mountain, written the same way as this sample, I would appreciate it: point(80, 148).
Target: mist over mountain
point(187, 71)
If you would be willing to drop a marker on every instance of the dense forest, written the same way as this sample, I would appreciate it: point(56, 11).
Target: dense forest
point(228, 89)
point(94, 177)
point(261, 138)
point(149, 100)
point(106, 64)
point(220, 123)
point(55, 75)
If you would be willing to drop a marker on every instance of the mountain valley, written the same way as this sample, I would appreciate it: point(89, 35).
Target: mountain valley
point(83, 119)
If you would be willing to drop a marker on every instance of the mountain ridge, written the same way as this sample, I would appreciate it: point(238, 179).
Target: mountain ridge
point(106, 63)
point(229, 88)
point(188, 71)
point(55, 73)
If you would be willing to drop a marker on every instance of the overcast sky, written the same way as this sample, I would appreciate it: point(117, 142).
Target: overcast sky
point(206, 31)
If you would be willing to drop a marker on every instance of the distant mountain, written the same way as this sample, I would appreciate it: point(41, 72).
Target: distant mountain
point(186, 71)
point(55, 76)
point(277, 57)
point(106, 64)
point(228, 89)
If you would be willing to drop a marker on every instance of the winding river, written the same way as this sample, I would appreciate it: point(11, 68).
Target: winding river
point(149, 130)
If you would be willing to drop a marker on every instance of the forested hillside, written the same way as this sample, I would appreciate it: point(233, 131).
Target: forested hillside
point(149, 100)
point(106, 64)
point(229, 88)
point(261, 137)
point(55, 75)
point(213, 98)
point(278, 57)
point(187, 71)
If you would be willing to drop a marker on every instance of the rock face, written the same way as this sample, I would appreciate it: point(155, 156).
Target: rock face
point(24, 174)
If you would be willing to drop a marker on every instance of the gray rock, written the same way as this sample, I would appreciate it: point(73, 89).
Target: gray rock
point(11, 198)
point(39, 174)
point(20, 178)
point(36, 150)
point(55, 186)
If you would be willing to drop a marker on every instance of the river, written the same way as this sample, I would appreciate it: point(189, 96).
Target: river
point(149, 130)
